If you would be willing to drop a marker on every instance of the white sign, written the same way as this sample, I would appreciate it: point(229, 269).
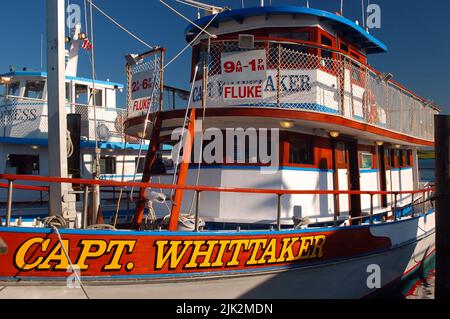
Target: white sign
point(142, 85)
point(244, 66)
point(141, 90)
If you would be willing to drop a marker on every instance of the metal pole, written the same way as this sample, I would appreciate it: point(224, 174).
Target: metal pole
point(395, 207)
point(85, 207)
point(412, 204)
point(57, 144)
point(278, 75)
point(371, 208)
point(197, 215)
point(279, 213)
point(442, 171)
point(9, 207)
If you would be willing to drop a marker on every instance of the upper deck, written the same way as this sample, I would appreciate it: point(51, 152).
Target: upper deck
point(305, 60)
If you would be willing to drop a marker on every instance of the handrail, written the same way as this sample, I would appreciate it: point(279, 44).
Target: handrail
point(197, 189)
point(11, 177)
point(27, 187)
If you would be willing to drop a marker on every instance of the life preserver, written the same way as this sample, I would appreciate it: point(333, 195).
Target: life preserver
point(370, 106)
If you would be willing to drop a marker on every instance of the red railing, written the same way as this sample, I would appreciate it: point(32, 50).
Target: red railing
point(197, 189)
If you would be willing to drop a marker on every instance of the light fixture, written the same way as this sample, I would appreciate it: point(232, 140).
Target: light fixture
point(133, 59)
point(287, 124)
point(397, 146)
point(334, 134)
point(34, 147)
point(379, 143)
point(5, 80)
point(82, 36)
point(386, 77)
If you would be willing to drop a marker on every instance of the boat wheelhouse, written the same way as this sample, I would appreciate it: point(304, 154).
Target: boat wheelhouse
point(342, 124)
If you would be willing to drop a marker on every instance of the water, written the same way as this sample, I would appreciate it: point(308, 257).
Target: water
point(420, 284)
point(426, 170)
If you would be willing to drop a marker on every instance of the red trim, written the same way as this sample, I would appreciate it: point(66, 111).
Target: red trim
point(290, 114)
point(419, 263)
point(182, 175)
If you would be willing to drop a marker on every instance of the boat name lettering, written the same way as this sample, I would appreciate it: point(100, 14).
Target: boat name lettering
point(46, 254)
point(192, 254)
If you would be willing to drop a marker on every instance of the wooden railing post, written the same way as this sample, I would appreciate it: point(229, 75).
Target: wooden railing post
point(182, 175)
point(279, 212)
point(9, 203)
point(371, 209)
point(85, 207)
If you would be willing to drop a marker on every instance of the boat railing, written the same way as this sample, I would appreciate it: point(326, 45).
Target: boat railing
point(302, 75)
point(422, 198)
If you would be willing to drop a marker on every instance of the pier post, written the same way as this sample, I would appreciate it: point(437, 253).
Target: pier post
point(57, 122)
point(442, 171)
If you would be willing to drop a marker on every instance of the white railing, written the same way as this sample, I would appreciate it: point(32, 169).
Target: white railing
point(297, 77)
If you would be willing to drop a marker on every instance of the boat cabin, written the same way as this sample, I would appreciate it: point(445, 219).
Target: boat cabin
point(299, 78)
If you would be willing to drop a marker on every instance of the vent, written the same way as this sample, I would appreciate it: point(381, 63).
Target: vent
point(246, 41)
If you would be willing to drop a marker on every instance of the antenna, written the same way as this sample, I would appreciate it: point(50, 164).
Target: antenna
point(261, 3)
point(342, 7)
point(307, 3)
point(363, 15)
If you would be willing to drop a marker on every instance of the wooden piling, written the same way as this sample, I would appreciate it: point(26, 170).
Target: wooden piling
point(442, 171)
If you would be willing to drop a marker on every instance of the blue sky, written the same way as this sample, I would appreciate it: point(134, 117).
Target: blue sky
point(415, 31)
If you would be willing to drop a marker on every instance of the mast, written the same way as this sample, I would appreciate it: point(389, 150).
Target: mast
point(57, 122)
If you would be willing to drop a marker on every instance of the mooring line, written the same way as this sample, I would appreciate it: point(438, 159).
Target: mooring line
point(70, 261)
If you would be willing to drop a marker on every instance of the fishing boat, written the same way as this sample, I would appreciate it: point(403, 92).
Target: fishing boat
point(316, 193)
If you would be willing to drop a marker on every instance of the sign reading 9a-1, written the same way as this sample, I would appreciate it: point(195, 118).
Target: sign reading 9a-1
point(244, 66)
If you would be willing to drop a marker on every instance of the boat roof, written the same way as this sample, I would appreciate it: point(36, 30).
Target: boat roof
point(350, 29)
point(44, 75)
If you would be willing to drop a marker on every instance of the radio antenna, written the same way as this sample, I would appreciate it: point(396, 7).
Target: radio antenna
point(307, 3)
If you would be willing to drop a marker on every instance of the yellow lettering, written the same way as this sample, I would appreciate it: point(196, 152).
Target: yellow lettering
point(256, 243)
point(57, 255)
point(317, 251)
point(223, 246)
point(197, 252)
point(172, 253)
point(87, 253)
point(287, 249)
point(304, 251)
point(22, 251)
point(238, 244)
point(120, 247)
point(270, 252)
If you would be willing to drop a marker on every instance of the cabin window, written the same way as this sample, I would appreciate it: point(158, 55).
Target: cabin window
point(81, 94)
point(34, 89)
point(96, 97)
point(108, 165)
point(140, 167)
point(14, 89)
point(344, 47)
point(22, 164)
point(68, 92)
point(341, 154)
point(387, 158)
point(408, 158)
point(366, 160)
point(392, 159)
point(326, 54)
point(300, 151)
point(401, 158)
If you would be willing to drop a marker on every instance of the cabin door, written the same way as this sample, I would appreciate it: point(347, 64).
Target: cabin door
point(340, 177)
point(354, 178)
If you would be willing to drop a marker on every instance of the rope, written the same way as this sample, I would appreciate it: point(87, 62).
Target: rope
point(183, 130)
point(205, 66)
point(188, 20)
point(145, 128)
point(120, 26)
point(190, 43)
point(70, 261)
